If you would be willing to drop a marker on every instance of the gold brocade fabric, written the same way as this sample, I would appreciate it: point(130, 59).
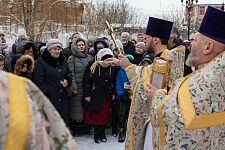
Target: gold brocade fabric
point(140, 110)
point(158, 68)
point(28, 120)
point(19, 119)
point(193, 117)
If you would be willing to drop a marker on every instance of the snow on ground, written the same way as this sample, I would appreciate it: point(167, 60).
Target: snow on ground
point(86, 142)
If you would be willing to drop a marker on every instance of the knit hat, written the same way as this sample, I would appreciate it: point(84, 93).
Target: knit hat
point(53, 43)
point(213, 24)
point(130, 57)
point(104, 52)
point(2, 56)
point(147, 58)
point(159, 28)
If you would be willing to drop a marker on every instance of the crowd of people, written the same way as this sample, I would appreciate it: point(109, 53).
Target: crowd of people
point(93, 86)
point(84, 97)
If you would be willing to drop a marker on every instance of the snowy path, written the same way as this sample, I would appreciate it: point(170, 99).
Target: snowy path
point(86, 142)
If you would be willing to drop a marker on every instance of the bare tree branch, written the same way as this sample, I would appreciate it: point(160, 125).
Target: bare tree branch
point(8, 12)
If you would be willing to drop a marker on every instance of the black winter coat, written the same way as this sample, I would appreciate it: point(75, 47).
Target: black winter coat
point(137, 58)
point(47, 75)
point(129, 48)
point(98, 85)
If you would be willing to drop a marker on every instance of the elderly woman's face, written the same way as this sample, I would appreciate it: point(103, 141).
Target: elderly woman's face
point(55, 52)
point(139, 49)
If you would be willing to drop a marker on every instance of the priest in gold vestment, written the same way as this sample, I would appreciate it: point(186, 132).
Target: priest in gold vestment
point(158, 32)
point(192, 115)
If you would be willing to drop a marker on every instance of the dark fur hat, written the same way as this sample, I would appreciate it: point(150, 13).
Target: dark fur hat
point(24, 59)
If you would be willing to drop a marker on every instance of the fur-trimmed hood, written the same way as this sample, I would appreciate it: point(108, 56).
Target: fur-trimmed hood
point(24, 59)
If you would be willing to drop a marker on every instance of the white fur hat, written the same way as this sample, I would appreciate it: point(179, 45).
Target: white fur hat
point(103, 52)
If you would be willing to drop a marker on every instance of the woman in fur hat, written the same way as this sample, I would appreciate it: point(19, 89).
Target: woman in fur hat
point(24, 66)
point(25, 48)
point(52, 76)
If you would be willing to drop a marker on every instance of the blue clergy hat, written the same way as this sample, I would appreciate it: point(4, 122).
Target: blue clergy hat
point(213, 24)
point(159, 28)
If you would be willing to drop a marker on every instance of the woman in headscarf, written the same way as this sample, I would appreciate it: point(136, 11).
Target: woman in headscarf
point(98, 93)
point(77, 63)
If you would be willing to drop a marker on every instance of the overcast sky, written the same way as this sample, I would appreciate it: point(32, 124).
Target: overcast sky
point(165, 4)
point(157, 8)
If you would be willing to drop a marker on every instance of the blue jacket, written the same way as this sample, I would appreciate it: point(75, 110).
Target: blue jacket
point(120, 80)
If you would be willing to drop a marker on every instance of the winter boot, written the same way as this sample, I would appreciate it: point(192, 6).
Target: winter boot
point(97, 134)
point(77, 128)
point(87, 129)
point(121, 137)
point(102, 134)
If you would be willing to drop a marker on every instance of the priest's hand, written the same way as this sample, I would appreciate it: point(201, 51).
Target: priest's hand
point(124, 61)
point(113, 62)
point(150, 91)
point(88, 99)
point(121, 61)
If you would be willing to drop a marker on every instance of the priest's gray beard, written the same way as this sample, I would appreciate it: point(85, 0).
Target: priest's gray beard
point(190, 60)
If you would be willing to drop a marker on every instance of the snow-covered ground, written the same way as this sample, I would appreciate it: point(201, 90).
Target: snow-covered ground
point(86, 142)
